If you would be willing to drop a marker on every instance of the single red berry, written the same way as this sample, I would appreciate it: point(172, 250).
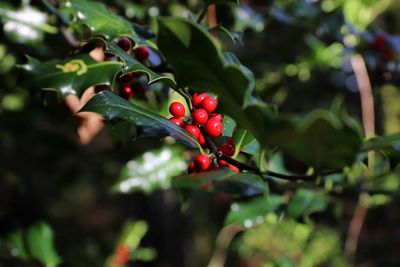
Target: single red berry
point(178, 121)
point(128, 77)
point(192, 168)
point(200, 116)
point(228, 149)
point(142, 53)
point(197, 99)
point(216, 115)
point(125, 44)
point(122, 255)
point(214, 127)
point(177, 109)
point(127, 92)
point(193, 129)
point(209, 104)
point(202, 162)
point(230, 166)
point(201, 139)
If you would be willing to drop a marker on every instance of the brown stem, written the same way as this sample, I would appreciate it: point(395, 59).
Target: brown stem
point(368, 118)
point(224, 238)
point(212, 16)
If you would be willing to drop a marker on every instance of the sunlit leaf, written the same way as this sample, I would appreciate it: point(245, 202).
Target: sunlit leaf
point(100, 20)
point(70, 76)
point(305, 202)
point(151, 171)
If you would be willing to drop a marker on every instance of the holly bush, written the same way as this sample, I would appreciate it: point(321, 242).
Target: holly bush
point(199, 133)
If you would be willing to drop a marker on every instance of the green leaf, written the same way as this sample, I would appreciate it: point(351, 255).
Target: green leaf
point(24, 25)
point(305, 202)
point(244, 142)
point(100, 20)
point(381, 142)
point(70, 76)
point(253, 211)
point(320, 139)
point(235, 37)
point(41, 246)
point(151, 171)
point(114, 107)
point(223, 181)
point(133, 65)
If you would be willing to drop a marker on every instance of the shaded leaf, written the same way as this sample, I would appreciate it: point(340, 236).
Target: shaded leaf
point(70, 76)
point(151, 171)
point(235, 37)
point(223, 181)
point(253, 210)
point(114, 107)
point(15, 241)
point(305, 202)
point(382, 142)
point(133, 65)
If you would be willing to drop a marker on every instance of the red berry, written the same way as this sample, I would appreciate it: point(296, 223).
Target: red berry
point(216, 115)
point(214, 127)
point(128, 77)
point(230, 166)
point(200, 116)
point(201, 139)
point(127, 92)
point(197, 99)
point(228, 149)
point(202, 162)
point(125, 44)
point(178, 121)
point(192, 168)
point(177, 109)
point(194, 130)
point(142, 53)
point(122, 255)
point(209, 104)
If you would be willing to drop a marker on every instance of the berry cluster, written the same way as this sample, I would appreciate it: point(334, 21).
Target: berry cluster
point(203, 120)
point(129, 85)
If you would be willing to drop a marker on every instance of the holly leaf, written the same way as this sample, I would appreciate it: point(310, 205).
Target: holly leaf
point(113, 107)
point(305, 202)
point(133, 65)
point(253, 211)
point(41, 244)
point(100, 20)
point(223, 181)
point(151, 171)
point(70, 76)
